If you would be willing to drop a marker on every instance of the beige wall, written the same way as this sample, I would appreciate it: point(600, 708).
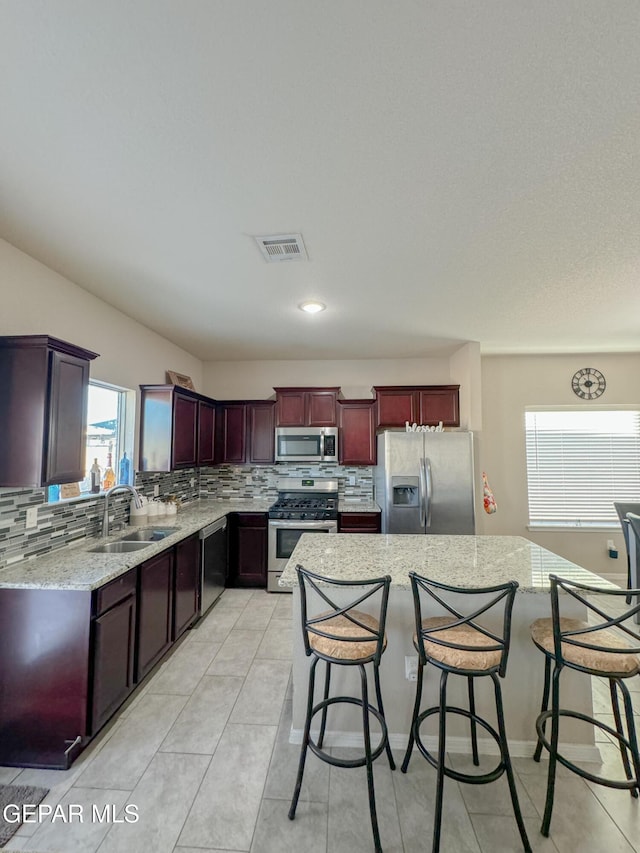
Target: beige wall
point(255, 380)
point(510, 384)
point(36, 300)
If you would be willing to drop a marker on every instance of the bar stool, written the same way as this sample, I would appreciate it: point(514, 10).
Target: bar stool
point(344, 636)
point(597, 648)
point(457, 644)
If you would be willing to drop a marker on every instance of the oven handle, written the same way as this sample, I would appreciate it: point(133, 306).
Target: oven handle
point(303, 525)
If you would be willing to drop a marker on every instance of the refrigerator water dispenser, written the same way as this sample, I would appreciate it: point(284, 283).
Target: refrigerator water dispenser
point(406, 491)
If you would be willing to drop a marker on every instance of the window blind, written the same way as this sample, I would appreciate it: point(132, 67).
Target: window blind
point(578, 463)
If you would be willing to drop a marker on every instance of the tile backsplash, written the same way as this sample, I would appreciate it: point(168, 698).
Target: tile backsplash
point(59, 524)
point(238, 482)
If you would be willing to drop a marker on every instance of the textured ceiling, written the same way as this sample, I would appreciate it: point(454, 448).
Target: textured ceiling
point(459, 170)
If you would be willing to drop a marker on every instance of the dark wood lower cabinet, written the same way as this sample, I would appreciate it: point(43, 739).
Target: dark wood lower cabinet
point(114, 636)
point(69, 658)
point(44, 676)
point(248, 549)
point(155, 611)
point(186, 603)
point(359, 522)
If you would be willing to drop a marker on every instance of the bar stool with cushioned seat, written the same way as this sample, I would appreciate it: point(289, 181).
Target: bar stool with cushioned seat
point(607, 647)
point(344, 635)
point(459, 644)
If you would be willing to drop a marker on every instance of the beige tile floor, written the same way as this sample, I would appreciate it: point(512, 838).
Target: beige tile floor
point(202, 750)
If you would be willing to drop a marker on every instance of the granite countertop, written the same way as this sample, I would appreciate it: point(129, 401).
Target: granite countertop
point(465, 561)
point(346, 505)
point(75, 567)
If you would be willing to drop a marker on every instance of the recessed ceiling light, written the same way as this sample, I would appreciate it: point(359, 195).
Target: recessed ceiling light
point(312, 307)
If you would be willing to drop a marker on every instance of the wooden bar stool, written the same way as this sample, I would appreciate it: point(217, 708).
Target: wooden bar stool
point(459, 644)
point(606, 646)
point(344, 635)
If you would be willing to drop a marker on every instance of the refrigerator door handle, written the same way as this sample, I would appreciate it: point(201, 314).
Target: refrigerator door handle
point(428, 490)
point(423, 493)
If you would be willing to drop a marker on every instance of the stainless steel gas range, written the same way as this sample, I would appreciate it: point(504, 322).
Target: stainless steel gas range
point(307, 505)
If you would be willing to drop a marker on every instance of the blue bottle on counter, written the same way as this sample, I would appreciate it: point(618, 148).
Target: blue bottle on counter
point(124, 471)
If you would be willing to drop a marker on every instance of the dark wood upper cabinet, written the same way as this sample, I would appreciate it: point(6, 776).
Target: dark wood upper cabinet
point(245, 432)
point(440, 404)
point(176, 428)
point(206, 432)
point(306, 406)
point(185, 432)
point(44, 386)
point(231, 433)
point(421, 404)
point(357, 438)
point(261, 421)
point(394, 406)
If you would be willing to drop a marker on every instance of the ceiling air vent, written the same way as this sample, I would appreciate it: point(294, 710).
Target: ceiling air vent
point(282, 247)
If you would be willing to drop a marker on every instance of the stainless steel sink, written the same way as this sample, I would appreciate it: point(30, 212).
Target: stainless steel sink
point(120, 547)
point(149, 534)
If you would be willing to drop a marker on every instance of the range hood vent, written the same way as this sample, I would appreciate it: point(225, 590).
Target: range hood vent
point(282, 247)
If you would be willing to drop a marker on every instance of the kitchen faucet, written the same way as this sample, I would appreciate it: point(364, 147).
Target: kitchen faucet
point(121, 488)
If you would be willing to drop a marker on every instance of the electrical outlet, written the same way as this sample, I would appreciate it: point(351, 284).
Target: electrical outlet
point(156, 491)
point(32, 517)
point(411, 667)
point(192, 482)
point(248, 480)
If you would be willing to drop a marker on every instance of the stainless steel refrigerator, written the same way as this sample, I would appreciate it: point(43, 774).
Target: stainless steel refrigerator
point(425, 482)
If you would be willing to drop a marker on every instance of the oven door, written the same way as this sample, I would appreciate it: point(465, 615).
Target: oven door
point(283, 538)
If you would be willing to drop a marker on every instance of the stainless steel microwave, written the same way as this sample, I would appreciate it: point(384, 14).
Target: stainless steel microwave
point(306, 444)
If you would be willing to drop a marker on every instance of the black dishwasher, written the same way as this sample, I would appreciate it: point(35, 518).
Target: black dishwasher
point(213, 575)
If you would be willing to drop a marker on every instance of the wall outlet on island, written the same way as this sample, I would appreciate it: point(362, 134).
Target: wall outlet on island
point(411, 667)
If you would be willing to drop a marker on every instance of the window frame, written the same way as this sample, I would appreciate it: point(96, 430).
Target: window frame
point(124, 443)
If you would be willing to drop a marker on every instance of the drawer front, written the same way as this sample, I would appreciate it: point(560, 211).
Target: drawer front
point(113, 592)
point(359, 522)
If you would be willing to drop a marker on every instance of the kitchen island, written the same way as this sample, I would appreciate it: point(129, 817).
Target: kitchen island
point(465, 561)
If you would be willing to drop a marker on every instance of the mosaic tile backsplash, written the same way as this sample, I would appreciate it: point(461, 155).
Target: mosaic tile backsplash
point(60, 524)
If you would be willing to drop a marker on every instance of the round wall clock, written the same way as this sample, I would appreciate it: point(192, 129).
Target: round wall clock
point(588, 383)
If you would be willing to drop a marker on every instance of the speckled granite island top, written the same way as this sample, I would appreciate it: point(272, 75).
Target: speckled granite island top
point(76, 567)
point(465, 561)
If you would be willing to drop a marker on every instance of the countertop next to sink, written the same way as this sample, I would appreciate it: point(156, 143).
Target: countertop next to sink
point(75, 567)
